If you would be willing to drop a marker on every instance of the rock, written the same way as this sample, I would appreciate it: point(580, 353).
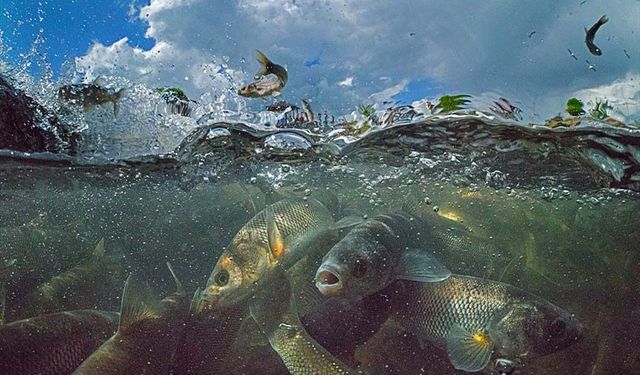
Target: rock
point(27, 126)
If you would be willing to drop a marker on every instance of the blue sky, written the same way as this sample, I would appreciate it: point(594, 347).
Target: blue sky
point(343, 53)
point(69, 27)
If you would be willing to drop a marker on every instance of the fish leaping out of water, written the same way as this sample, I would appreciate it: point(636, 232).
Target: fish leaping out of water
point(269, 80)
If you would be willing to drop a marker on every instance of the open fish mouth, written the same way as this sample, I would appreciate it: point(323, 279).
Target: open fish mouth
point(328, 281)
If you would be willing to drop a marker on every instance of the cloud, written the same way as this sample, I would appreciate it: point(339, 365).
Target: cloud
point(623, 94)
point(347, 82)
point(484, 50)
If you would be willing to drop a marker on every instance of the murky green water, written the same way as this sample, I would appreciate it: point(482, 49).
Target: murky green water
point(551, 233)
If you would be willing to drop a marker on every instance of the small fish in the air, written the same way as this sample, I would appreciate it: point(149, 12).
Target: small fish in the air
point(147, 336)
point(277, 236)
point(53, 343)
point(531, 34)
point(374, 254)
point(627, 54)
point(591, 33)
point(591, 66)
point(269, 80)
point(306, 107)
point(91, 95)
point(572, 54)
point(474, 319)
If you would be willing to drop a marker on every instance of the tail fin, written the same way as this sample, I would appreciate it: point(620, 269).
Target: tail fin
point(116, 101)
point(265, 64)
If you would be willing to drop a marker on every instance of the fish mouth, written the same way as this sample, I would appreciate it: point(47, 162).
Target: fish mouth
point(328, 281)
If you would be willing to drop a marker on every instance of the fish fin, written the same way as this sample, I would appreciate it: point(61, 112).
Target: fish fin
point(273, 308)
point(418, 265)
point(265, 63)
point(98, 252)
point(179, 287)
point(194, 307)
point(468, 351)
point(276, 240)
point(603, 20)
point(116, 102)
point(137, 303)
point(347, 221)
point(263, 59)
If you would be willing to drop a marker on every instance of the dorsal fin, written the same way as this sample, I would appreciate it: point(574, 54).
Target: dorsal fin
point(98, 252)
point(98, 80)
point(194, 307)
point(179, 287)
point(137, 303)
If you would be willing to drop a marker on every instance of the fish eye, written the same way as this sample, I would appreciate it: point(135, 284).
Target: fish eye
point(221, 278)
point(360, 268)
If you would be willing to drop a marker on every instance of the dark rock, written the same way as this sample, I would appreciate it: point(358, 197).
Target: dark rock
point(27, 126)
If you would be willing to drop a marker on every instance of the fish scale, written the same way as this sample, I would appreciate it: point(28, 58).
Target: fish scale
point(293, 217)
point(466, 301)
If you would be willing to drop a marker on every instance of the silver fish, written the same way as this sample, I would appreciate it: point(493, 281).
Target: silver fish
point(269, 80)
point(475, 318)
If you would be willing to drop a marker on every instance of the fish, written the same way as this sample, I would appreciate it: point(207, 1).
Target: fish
point(474, 319)
point(307, 110)
point(591, 66)
point(591, 34)
point(374, 254)
point(148, 332)
point(274, 310)
point(269, 80)
point(5, 272)
point(208, 337)
point(572, 54)
point(91, 95)
point(67, 291)
point(278, 236)
point(531, 34)
point(627, 54)
point(53, 343)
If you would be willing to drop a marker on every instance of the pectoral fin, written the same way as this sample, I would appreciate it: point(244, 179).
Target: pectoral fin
point(276, 240)
point(98, 252)
point(468, 351)
point(194, 307)
point(347, 221)
point(418, 265)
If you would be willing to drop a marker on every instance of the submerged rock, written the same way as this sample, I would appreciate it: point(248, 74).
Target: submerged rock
point(27, 126)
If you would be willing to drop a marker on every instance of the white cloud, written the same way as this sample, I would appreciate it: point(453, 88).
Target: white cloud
point(484, 49)
point(347, 82)
point(623, 94)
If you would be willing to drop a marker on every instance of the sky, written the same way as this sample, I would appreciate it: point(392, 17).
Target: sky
point(340, 54)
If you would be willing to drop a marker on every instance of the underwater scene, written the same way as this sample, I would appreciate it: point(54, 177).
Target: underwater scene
point(319, 187)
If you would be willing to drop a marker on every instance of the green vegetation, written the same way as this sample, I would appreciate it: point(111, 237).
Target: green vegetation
point(367, 111)
point(449, 103)
point(601, 110)
point(172, 93)
point(575, 107)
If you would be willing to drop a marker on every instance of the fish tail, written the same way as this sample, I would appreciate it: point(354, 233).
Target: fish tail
point(603, 20)
point(263, 59)
point(116, 101)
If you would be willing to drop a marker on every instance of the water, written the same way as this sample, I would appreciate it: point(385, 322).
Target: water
point(556, 203)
